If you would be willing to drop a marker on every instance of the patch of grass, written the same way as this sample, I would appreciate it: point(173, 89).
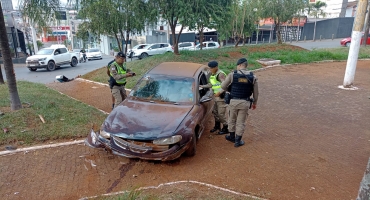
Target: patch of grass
point(65, 118)
point(228, 56)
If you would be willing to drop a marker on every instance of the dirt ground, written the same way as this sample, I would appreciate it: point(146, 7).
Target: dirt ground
point(307, 139)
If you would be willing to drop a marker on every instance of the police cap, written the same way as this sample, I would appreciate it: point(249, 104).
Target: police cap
point(241, 60)
point(213, 64)
point(121, 54)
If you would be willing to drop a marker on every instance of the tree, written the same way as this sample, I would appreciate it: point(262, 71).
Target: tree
point(174, 12)
point(15, 102)
point(315, 9)
point(281, 11)
point(343, 9)
point(1, 76)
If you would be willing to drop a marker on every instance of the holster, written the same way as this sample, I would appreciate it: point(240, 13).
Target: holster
point(227, 97)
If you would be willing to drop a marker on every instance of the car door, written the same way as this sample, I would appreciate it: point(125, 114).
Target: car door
point(211, 45)
point(65, 55)
point(207, 107)
point(153, 50)
point(58, 57)
point(162, 48)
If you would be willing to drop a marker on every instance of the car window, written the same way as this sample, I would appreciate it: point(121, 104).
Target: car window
point(62, 50)
point(45, 52)
point(211, 44)
point(155, 46)
point(93, 50)
point(164, 88)
point(188, 44)
point(203, 81)
point(164, 45)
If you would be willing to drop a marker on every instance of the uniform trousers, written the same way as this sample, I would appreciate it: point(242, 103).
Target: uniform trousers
point(238, 113)
point(119, 94)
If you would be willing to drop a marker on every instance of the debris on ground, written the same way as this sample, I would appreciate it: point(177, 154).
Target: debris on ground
point(10, 148)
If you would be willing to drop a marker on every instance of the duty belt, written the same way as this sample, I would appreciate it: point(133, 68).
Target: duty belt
point(247, 99)
point(117, 84)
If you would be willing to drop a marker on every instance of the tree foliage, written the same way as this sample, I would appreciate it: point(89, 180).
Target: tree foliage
point(316, 9)
point(281, 11)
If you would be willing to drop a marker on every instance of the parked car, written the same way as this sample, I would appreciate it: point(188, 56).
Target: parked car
point(162, 117)
point(347, 41)
point(208, 45)
point(186, 46)
point(93, 54)
point(130, 52)
point(153, 49)
point(51, 58)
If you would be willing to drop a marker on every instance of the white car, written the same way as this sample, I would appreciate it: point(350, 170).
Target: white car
point(208, 45)
point(51, 58)
point(93, 54)
point(153, 49)
point(186, 46)
point(130, 52)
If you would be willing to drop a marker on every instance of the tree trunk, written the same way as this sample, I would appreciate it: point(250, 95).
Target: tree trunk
point(119, 44)
point(175, 46)
point(1, 76)
point(366, 34)
point(178, 37)
point(237, 41)
point(127, 40)
point(15, 102)
point(343, 9)
point(278, 33)
point(201, 36)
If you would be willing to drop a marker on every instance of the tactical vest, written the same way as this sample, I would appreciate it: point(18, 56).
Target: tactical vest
point(120, 71)
point(242, 86)
point(216, 85)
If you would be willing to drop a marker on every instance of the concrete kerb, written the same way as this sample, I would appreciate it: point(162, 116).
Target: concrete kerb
point(364, 191)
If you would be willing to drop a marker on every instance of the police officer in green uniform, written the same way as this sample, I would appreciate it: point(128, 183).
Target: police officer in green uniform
point(241, 84)
point(217, 76)
point(119, 73)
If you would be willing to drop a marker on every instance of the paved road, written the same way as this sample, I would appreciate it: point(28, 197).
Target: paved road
point(44, 76)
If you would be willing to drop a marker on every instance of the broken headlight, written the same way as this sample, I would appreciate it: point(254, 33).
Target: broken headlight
point(104, 134)
point(166, 141)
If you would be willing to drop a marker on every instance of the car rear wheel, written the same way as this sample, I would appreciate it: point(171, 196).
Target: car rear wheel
point(348, 44)
point(193, 146)
point(51, 66)
point(32, 69)
point(144, 55)
point(74, 62)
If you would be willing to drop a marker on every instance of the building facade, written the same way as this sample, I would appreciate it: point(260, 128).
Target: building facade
point(7, 5)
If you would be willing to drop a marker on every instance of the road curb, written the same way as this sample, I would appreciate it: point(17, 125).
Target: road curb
point(364, 191)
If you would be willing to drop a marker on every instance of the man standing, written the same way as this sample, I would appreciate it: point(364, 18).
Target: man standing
point(241, 84)
point(119, 73)
point(215, 80)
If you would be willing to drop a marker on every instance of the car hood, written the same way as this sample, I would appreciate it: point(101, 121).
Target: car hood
point(144, 120)
point(36, 57)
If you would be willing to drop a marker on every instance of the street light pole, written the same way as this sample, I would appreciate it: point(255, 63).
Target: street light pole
point(355, 44)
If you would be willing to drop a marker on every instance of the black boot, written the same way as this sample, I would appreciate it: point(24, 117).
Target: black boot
point(238, 141)
point(224, 130)
point(217, 127)
point(230, 137)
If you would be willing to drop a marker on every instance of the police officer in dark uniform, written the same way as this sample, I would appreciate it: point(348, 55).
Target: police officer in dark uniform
point(241, 84)
point(119, 73)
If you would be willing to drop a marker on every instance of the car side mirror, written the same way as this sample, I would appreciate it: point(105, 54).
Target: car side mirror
point(149, 48)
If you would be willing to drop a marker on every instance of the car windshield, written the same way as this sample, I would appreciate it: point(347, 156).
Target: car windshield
point(93, 50)
point(164, 88)
point(45, 52)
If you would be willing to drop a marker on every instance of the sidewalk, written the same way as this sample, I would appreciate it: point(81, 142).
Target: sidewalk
point(307, 139)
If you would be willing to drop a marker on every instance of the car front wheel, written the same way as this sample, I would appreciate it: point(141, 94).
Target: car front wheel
point(193, 146)
point(51, 66)
point(143, 55)
point(74, 62)
point(348, 44)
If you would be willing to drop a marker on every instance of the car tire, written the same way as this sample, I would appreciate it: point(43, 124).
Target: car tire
point(348, 44)
point(51, 66)
point(32, 69)
point(74, 62)
point(191, 151)
point(144, 55)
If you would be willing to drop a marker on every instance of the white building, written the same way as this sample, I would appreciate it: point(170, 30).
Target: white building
point(334, 7)
point(7, 5)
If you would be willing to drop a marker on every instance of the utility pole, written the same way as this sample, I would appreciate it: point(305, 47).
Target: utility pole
point(355, 44)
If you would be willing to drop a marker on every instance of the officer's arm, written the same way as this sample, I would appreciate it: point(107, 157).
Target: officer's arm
point(115, 74)
point(225, 84)
point(209, 85)
point(255, 91)
point(221, 77)
point(108, 72)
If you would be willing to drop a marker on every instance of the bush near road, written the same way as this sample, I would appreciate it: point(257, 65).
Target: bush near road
point(228, 56)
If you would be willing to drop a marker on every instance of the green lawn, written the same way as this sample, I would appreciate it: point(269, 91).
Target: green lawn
point(228, 56)
point(65, 118)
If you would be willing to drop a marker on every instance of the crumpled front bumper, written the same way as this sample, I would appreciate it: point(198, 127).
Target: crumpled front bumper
point(121, 147)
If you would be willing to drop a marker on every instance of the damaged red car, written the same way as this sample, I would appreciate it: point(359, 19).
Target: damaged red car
point(163, 116)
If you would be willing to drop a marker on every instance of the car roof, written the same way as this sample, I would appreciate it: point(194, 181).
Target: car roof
point(183, 69)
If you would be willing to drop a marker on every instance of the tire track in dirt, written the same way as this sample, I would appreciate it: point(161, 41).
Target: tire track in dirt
point(124, 169)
